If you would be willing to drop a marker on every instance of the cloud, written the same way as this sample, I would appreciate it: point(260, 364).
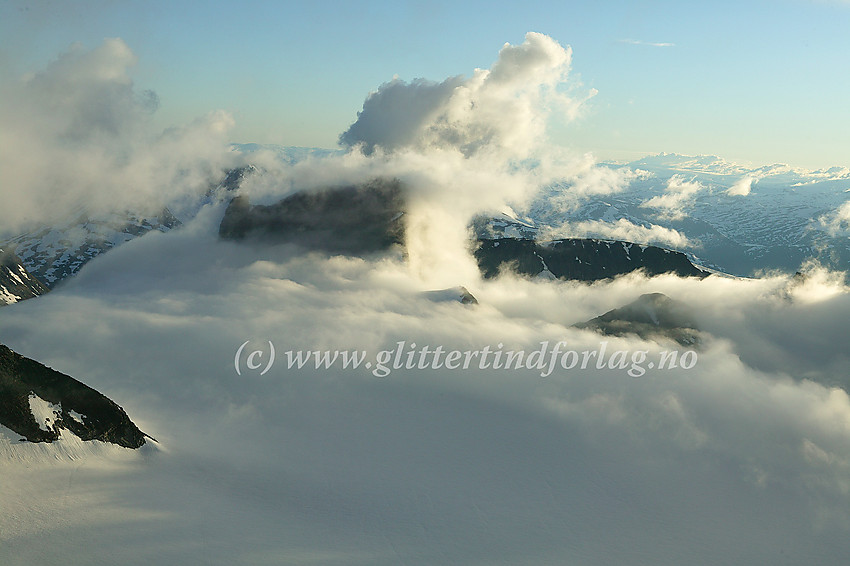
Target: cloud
point(588, 179)
point(395, 115)
point(79, 133)
point(678, 195)
point(837, 222)
point(461, 146)
point(649, 43)
point(503, 109)
point(742, 186)
point(622, 229)
point(584, 179)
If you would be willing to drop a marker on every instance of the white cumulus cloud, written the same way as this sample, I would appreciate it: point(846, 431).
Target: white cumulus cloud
point(79, 132)
point(503, 109)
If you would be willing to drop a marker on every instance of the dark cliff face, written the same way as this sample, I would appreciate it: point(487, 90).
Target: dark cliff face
point(16, 283)
point(579, 259)
point(78, 408)
point(350, 220)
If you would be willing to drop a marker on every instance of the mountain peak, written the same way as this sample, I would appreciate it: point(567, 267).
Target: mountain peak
point(650, 316)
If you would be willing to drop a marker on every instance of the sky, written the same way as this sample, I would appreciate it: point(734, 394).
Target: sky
point(758, 82)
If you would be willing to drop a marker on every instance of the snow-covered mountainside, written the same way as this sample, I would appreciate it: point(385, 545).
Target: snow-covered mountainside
point(59, 250)
point(16, 283)
point(737, 219)
point(458, 294)
point(53, 253)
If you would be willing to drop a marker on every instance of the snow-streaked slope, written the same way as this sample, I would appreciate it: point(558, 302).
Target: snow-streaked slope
point(16, 283)
point(56, 252)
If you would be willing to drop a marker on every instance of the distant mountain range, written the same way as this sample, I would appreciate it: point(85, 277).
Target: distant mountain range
point(739, 220)
point(736, 219)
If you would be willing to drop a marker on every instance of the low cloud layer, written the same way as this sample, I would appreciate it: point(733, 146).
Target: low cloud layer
point(79, 133)
point(622, 229)
point(471, 463)
point(648, 43)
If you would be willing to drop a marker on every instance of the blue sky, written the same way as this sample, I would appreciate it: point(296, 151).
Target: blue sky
point(758, 81)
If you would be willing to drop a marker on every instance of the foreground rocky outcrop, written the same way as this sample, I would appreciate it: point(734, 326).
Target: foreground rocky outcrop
point(38, 403)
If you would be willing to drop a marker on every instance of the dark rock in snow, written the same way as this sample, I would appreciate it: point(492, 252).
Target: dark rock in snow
point(460, 294)
point(651, 316)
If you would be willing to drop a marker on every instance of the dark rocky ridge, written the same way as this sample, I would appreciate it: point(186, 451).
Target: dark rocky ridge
point(579, 259)
point(650, 316)
point(349, 220)
point(16, 283)
point(102, 419)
